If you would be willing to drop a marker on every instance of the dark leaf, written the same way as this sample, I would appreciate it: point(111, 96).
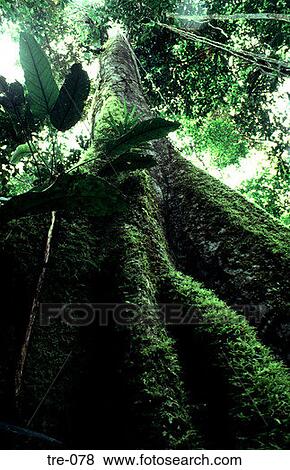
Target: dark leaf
point(87, 193)
point(12, 98)
point(73, 94)
point(142, 132)
point(16, 120)
point(127, 162)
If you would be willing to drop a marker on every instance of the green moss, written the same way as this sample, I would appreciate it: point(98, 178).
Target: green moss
point(112, 107)
point(232, 246)
point(152, 365)
point(257, 385)
point(216, 198)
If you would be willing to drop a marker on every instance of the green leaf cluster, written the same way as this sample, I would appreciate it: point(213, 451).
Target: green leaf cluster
point(64, 107)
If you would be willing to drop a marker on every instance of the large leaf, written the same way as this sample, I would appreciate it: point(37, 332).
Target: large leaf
point(127, 162)
point(73, 94)
point(87, 193)
point(42, 88)
point(142, 132)
point(22, 151)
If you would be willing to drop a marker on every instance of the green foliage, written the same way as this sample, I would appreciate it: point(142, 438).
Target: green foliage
point(123, 137)
point(42, 88)
point(64, 107)
point(48, 23)
point(124, 120)
point(123, 146)
point(17, 120)
point(271, 192)
point(128, 151)
point(70, 103)
point(222, 140)
point(141, 133)
point(199, 80)
point(217, 136)
point(23, 151)
point(69, 192)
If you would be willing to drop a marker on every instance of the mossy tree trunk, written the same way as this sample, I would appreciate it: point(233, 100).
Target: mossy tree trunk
point(208, 383)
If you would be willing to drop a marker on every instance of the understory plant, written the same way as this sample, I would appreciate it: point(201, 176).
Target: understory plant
point(25, 111)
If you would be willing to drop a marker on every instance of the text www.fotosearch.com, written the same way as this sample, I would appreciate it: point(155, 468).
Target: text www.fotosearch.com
point(146, 460)
point(100, 461)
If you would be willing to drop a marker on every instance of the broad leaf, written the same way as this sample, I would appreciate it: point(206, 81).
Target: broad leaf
point(22, 151)
point(73, 94)
point(19, 121)
point(87, 193)
point(142, 132)
point(127, 162)
point(42, 88)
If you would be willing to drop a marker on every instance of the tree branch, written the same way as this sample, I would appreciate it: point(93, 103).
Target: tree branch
point(268, 64)
point(236, 16)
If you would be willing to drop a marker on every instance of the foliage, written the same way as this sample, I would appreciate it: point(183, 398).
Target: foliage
point(23, 151)
point(46, 21)
point(217, 136)
point(41, 86)
point(202, 81)
point(22, 114)
point(226, 99)
point(16, 119)
point(69, 192)
point(72, 97)
point(122, 136)
point(271, 192)
point(142, 132)
point(64, 108)
point(226, 145)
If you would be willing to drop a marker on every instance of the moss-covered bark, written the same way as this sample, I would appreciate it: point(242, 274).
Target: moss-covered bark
point(238, 379)
point(143, 383)
point(231, 245)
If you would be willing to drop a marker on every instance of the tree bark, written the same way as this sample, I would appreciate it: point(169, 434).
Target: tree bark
point(149, 382)
point(233, 246)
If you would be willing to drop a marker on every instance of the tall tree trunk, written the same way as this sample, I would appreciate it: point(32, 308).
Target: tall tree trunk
point(149, 382)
